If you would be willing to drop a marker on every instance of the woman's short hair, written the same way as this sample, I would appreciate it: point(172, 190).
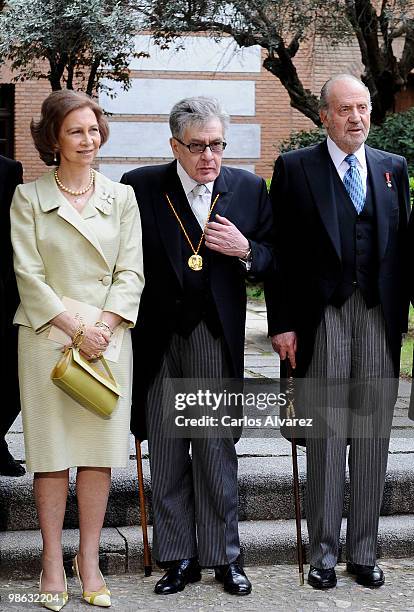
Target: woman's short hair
point(55, 108)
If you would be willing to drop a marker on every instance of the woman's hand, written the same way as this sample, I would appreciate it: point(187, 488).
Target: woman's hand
point(94, 343)
point(95, 340)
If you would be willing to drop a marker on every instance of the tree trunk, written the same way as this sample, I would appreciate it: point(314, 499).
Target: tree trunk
point(300, 98)
point(382, 74)
point(70, 71)
point(57, 67)
point(91, 86)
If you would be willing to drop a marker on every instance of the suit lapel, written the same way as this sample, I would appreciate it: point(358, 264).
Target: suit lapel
point(378, 165)
point(70, 215)
point(225, 197)
point(318, 169)
point(50, 198)
point(168, 225)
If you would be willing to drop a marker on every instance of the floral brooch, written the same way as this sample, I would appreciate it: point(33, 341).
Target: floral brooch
point(107, 201)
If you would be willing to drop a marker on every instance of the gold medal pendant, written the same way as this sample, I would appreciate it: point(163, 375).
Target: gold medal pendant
point(195, 262)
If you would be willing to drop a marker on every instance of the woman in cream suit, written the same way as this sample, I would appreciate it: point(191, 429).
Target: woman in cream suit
point(75, 234)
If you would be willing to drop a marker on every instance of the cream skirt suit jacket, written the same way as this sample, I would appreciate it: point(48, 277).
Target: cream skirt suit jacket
point(93, 257)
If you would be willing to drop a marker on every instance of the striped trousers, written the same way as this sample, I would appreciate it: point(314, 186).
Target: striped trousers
point(194, 499)
point(351, 345)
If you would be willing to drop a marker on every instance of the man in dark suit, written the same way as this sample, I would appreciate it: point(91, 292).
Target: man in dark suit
point(191, 325)
point(11, 174)
point(338, 312)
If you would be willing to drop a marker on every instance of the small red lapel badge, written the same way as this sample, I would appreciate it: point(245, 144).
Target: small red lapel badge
point(388, 179)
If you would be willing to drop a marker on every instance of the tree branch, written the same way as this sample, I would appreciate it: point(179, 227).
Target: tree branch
point(300, 98)
point(57, 67)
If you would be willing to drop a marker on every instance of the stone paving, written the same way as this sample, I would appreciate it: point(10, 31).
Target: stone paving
point(275, 588)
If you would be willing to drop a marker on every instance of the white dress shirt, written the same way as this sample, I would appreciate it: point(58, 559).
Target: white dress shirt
point(200, 212)
point(338, 158)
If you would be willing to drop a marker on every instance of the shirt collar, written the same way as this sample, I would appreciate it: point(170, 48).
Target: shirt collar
point(338, 156)
point(188, 183)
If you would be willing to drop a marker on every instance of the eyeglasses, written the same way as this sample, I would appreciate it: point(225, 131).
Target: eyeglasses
point(198, 147)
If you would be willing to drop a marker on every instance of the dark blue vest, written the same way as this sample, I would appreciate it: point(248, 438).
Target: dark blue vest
point(359, 250)
point(196, 302)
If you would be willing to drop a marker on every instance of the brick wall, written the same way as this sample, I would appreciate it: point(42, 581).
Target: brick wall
point(28, 99)
point(315, 62)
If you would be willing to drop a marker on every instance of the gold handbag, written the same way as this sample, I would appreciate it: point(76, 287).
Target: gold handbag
point(85, 383)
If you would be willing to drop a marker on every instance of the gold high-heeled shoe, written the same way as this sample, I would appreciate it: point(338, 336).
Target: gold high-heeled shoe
point(100, 598)
point(53, 601)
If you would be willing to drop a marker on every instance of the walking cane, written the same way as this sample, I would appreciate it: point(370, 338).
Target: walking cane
point(296, 494)
point(144, 526)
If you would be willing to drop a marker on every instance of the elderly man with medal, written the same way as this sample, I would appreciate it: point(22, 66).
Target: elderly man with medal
point(206, 227)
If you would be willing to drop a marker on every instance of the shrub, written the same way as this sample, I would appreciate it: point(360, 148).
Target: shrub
point(396, 135)
point(299, 140)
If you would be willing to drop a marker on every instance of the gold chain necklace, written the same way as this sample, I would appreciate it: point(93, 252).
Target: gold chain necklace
point(195, 261)
point(73, 191)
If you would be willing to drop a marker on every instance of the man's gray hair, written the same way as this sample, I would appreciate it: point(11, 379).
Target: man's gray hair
point(196, 111)
point(323, 100)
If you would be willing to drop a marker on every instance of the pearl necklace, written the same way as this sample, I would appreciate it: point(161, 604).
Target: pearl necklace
point(73, 191)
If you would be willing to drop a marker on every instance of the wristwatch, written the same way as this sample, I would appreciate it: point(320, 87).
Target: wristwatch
point(246, 259)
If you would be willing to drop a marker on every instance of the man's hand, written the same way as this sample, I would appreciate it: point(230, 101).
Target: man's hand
point(285, 345)
point(223, 236)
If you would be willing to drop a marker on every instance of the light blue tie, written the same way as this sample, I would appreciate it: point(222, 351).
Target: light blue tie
point(353, 183)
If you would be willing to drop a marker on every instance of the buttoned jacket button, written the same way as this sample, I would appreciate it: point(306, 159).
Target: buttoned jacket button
point(106, 280)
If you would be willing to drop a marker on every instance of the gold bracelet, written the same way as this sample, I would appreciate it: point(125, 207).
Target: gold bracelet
point(79, 335)
point(78, 338)
point(104, 325)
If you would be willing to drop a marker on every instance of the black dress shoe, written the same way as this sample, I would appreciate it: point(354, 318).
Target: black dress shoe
point(322, 578)
point(367, 575)
point(233, 578)
point(178, 576)
point(9, 466)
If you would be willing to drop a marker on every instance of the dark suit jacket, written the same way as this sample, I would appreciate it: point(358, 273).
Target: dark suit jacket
point(11, 175)
point(244, 201)
point(308, 250)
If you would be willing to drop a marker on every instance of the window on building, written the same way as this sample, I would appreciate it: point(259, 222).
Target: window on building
point(7, 120)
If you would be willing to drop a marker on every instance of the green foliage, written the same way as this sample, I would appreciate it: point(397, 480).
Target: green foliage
point(407, 347)
point(254, 291)
point(299, 140)
point(83, 41)
point(396, 135)
point(406, 362)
